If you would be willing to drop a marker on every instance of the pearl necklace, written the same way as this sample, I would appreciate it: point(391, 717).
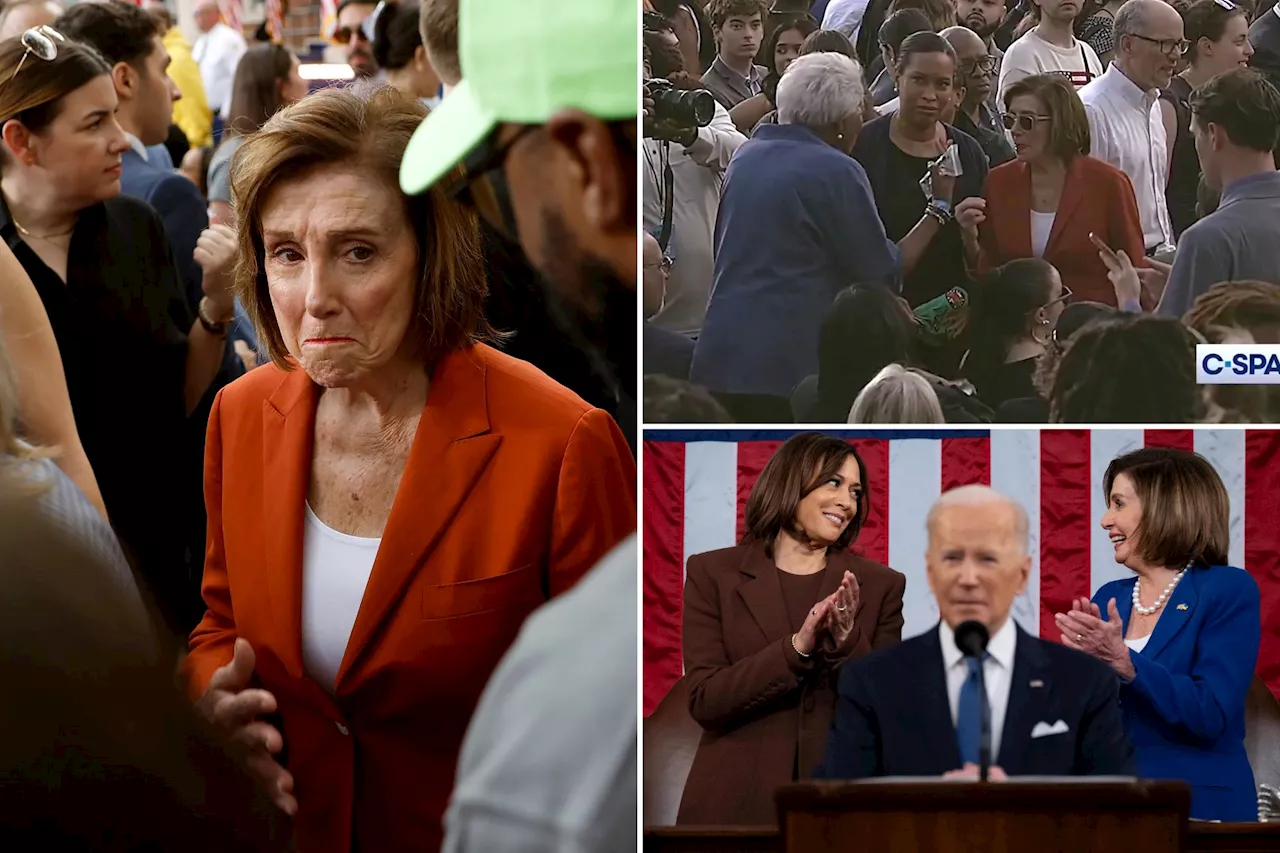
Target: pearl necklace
point(1147, 611)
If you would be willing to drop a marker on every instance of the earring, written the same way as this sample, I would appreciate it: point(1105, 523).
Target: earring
point(839, 136)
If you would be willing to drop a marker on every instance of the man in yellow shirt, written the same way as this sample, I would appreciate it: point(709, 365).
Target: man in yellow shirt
point(191, 112)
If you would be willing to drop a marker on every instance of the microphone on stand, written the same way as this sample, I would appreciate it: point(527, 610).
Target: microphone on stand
point(971, 638)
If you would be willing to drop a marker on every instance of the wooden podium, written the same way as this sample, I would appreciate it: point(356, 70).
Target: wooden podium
point(1075, 815)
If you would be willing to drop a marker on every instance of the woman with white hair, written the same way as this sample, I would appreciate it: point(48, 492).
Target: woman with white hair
point(797, 225)
point(897, 395)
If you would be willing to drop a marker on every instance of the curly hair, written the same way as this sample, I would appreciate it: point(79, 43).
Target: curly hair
point(1228, 313)
point(1134, 369)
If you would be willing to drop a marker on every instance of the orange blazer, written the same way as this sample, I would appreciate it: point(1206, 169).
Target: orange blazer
point(1097, 198)
point(514, 489)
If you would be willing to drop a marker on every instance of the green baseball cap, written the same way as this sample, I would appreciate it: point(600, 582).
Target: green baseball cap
point(522, 60)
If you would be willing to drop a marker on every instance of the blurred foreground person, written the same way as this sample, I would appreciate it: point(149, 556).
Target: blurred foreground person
point(98, 750)
point(548, 139)
point(913, 710)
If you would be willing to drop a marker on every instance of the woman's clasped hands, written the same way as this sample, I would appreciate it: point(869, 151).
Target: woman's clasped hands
point(830, 621)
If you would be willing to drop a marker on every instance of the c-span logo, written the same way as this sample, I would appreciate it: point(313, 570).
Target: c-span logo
point(1238, 364)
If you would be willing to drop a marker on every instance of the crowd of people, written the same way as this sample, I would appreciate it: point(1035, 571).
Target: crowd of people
point(330, 413)
point(959, 211)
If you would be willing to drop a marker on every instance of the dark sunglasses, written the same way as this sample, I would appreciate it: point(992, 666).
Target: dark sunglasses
point(1024, 122)
point(342, 35)
point(484, 187)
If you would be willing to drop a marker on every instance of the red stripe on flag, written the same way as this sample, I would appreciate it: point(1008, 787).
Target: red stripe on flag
point(1065, 523)
point(965, 461)
point(1262, 542)
point(1178, 439)
point(663, 567)
point(752, 457)
point(873, 539)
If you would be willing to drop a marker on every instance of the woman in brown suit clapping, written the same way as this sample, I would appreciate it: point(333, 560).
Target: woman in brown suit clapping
point(767, 625)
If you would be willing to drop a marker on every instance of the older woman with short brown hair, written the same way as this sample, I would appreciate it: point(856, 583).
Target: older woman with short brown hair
point(769, 623)
point(1182, 634)
point(1049, 201)
point(390, 497)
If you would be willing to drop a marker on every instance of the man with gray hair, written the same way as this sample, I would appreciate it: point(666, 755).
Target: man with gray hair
point(914, 709)
point(1125, 123)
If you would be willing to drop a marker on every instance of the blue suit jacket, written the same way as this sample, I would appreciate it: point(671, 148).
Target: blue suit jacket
point(893, 717)
point(1184, 710)
point(180, 205)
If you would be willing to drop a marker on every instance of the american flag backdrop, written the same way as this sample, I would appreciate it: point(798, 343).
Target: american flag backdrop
point(696, 485)
point(231, 11)
point(275, 19)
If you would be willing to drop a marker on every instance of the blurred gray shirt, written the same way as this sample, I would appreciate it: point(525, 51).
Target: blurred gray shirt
point(550, 758)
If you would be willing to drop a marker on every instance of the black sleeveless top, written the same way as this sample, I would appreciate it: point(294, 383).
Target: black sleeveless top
point(1184, 172)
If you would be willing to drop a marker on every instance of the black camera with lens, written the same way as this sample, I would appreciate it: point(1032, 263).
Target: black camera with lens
point(681, 108)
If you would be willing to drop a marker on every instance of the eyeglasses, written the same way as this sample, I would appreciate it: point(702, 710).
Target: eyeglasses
point(1063, 297)
point(1024, 122)
point(664, 265)
point(1226, 4)
point(342, 35)
point(983, 64)
point(484, 187)
point(1166, 46)
point(40, 42)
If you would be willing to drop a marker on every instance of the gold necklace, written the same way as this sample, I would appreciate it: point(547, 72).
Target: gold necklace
point(46, 237)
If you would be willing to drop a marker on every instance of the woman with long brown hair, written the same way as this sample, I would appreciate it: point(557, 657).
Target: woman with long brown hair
point(769, 623)
point(267, 79)
point(138, 359)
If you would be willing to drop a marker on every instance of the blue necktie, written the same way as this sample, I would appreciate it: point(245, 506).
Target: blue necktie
point(969, 715)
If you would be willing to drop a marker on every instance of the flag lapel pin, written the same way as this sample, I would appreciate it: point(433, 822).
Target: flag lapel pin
point(1037, 683)
point(1182, 606)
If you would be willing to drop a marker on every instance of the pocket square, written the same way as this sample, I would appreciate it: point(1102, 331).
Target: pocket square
point(1044, 729)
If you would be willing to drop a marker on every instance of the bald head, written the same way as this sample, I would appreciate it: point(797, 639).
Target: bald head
point(206, 14)
point(1003, 509)
point(966, 42)
point(1147, 33)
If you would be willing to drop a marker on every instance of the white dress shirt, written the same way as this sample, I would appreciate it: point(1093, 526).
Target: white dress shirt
point(1128, 132)
point(335, 572)
point(997, 672)
point(218, 52)
point(845, 16)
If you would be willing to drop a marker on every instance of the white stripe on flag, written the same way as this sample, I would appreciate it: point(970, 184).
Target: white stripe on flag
point(710, 496)
point(1015, 473)
point(1104, 446)
point(1225, 450)
point(915, 481)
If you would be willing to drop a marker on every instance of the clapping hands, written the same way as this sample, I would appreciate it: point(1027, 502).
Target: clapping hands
point(830, 621)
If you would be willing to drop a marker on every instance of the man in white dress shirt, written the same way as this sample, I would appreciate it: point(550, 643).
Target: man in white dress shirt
point(217, 52)
point(1124, 113)
point(914, 709)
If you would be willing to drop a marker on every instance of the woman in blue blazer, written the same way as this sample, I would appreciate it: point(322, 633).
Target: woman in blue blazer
point(1182, 634)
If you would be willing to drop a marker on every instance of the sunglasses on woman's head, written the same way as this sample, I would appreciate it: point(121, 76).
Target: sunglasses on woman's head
point(41, 41)
point(1024, 122)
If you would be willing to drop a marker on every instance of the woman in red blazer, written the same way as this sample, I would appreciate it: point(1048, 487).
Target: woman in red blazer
point(389, 499)
point(1049, 200)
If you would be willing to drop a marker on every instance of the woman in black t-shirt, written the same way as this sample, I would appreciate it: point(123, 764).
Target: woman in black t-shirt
point(896, 151)
point(140, 363)
point(1010, 325)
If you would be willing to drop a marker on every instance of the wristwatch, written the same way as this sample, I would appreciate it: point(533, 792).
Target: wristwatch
point(215, 328)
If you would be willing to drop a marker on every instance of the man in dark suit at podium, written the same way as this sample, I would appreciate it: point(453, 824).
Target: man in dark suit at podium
point(913, 709)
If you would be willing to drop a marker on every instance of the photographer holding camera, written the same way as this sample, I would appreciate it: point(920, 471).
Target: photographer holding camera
point(689, 140)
